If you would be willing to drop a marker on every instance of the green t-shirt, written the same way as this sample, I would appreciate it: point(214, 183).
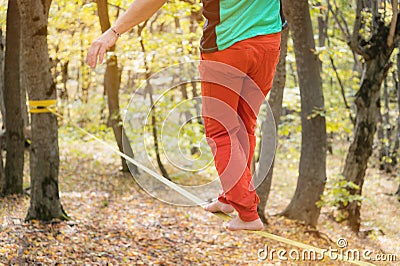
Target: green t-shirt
point(230, 21)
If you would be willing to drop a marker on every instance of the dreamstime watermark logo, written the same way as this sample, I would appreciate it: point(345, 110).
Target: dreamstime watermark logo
point(164, 130)
point(341, 243)
point(339, 253)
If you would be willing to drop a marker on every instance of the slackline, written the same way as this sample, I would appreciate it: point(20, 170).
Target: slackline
point(199, 202)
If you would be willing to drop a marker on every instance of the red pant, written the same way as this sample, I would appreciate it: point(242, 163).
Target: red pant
point(234, 83)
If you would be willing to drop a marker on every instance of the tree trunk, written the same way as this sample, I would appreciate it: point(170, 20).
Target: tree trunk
point(44, 156)
point(164, 172)
point(188, 116)
point(312, 168)
point(384, 131)
point(322, 24)
point(376, 53)
point(395, 151)
point(2, 55)
point(381, 139)
point(84, 79)
point(149, 90)
point(197, 102)
point(12, 100)
point(112, 82)
point(195, 19)
point(367, 103)
point(275, 101)
point(2, 110)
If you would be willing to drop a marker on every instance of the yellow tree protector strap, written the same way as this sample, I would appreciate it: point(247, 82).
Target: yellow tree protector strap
point(222, 216)
point(43, 106)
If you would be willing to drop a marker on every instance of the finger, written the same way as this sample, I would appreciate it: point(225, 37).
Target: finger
point(92, 55)
point(95, 54)
point(102, 51)
point(89, 56)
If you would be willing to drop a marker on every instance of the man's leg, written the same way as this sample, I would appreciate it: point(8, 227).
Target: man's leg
point(243, 196)
point(264, 55)
point(221, 125)
point(229, 155)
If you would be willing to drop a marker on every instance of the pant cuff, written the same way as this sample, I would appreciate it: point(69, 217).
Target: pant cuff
point(222, 199)
point(248, 217)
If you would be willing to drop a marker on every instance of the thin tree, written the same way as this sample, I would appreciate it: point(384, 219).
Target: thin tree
point(153, 111)
point(323, 21)
point(376, 52)
point(312, 167)
point(385, 130)
point(112, 82)
point(44, 155)
point(395, 151)
point(2, 55)
point(2, 110)
point(15, 142)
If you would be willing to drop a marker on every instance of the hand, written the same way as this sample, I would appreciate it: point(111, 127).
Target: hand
point(99, 48)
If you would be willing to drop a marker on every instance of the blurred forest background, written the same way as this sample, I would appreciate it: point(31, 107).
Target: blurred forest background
point(65, 198)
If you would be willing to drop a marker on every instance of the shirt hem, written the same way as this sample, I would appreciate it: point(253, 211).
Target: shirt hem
point(229, 44)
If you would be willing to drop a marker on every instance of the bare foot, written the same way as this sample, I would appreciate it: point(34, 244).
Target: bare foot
point(237, 224)
point(218, 206)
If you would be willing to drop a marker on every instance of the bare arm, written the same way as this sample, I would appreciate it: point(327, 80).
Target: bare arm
point(138, 11)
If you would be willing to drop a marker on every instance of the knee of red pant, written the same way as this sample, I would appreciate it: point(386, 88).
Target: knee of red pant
point(220, 139)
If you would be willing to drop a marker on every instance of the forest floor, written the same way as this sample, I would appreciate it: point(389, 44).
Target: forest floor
point(114, 222)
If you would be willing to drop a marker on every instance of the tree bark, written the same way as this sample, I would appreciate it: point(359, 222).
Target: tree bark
point(2, 55)
point(44, 156)
point(275, 102)
point(376, 54)
point(384, 131)
point(15, 142)
point(112, 82)
point(2, 110)
point(322, 24)
point(149, 91)
point(367, 103)
point(396, 146)
point(312, 168)
point(195, 20)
